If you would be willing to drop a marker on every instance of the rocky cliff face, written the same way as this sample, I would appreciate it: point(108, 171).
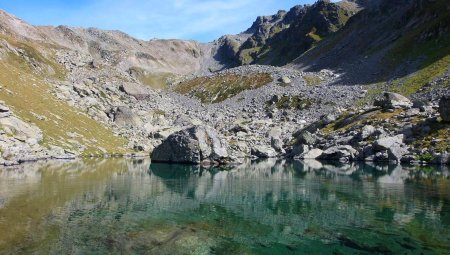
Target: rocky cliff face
point(280, 38)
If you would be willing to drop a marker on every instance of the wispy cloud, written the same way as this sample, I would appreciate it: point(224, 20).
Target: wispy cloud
point(203, 20)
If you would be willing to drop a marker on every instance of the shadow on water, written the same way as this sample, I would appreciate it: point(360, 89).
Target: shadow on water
point(261, 207)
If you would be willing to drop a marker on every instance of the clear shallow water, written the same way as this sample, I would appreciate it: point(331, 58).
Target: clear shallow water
point(270, 207)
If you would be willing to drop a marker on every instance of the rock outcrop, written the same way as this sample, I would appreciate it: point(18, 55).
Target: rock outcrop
point(444, 108)
point(393, 147)
point(393, 101)
point(138, 91)
point(312, 154)
point(195, 145)
point(343, 153)
point(263, 152)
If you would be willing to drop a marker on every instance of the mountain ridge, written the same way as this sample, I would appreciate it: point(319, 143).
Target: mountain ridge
point(91, 92)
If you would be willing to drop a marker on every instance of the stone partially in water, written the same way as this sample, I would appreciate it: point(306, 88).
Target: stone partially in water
point(263, 152)
point(195, 145)
point(393, 146)
point(343, 153)
point(312, 154)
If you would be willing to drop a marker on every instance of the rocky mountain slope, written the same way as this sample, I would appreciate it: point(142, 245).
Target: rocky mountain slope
point(403, 45)
point(280, 38)
point(66, 92)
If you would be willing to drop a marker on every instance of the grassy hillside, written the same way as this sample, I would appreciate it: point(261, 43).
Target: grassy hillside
point(221, 87)
point(156, 81)
point(398, 47)
point(25, 90)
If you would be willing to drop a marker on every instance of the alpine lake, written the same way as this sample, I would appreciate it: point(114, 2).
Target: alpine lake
point(118, 206)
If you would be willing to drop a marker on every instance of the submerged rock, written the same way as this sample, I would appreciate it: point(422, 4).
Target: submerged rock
point(194, 145)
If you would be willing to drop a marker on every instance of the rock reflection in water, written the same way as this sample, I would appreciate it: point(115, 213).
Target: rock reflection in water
point(266, 207)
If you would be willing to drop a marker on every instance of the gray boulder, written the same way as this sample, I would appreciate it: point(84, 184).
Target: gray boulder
point(285, 80)
point(263, 152)
point(343, 153)
point(194, 145)
point(124, 116)
point(311, 154)
point(367, 131)
point(4, 110)
point(307, 138)
point(444, 108)
point(21, 130)
point(393, 146)
point(299, 150)
point(135, 90)
point(393, 101)
point(275, 139)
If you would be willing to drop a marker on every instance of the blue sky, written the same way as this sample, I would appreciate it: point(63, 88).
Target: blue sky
point(203, 20)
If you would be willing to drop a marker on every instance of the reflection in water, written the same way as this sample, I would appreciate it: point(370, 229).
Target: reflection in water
point(266, 207)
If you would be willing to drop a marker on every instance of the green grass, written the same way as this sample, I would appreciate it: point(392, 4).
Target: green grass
point(344, 122)
point(312, 80)
point(438, 137)
point(31, 54)
point(313, 35)
point(247, 56)
point(434, 52)
point(216, 89)
point(414, 82)
point(293, 102)
point(154, 80)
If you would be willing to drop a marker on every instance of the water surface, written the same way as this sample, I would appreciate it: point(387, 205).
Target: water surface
point(268, 207)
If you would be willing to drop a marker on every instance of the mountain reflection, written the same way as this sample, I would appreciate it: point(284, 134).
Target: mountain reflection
point(278, 202)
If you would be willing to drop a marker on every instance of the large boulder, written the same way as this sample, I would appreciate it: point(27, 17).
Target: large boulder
point(444, 108)
point(263, 152)
point(307, 138)
point(194, 145)
point(124, 116)
point(393, 101)
point(21, 130)
point(285, 80)
point(275, 139)
point(311, 154)
point(343, 153)
point(367, 131)
point(393, 146)
point(135, 90)
point(298, 150)
point(4, 110)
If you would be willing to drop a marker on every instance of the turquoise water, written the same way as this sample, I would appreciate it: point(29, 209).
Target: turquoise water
point(268, 207)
